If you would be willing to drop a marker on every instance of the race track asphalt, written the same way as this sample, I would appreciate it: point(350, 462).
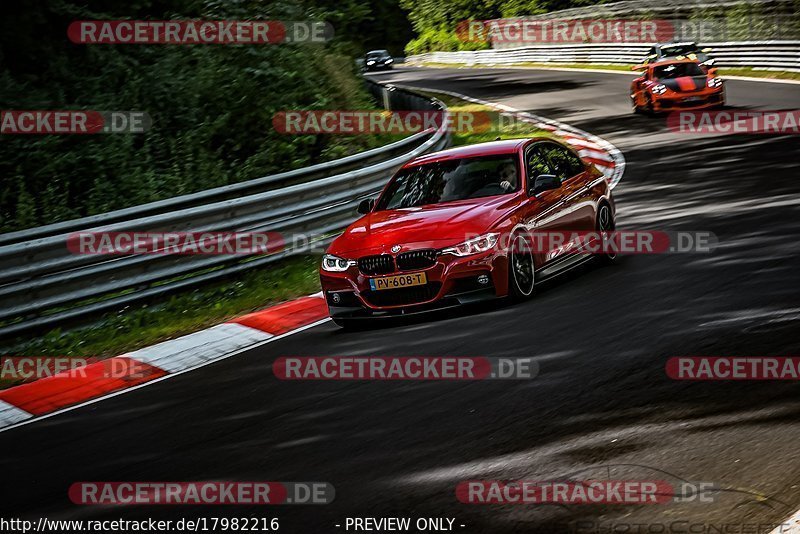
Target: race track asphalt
point(601, 406)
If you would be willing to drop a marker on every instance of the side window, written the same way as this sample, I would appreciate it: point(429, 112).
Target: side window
point(536, 163)
point(563, 162)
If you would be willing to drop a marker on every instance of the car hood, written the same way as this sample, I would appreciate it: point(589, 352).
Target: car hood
point(434, 226)
point(685, 83)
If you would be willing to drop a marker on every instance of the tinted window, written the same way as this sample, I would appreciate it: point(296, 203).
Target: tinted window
point(450, 180)
point(677, 70)
point(537, 163)
point(680, 50)
point(564, 163)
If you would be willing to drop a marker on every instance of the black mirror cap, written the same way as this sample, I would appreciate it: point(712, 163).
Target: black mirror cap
point(546, 182)
point(366, 205)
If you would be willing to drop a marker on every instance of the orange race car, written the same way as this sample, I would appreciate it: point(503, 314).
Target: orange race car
point(676, 84)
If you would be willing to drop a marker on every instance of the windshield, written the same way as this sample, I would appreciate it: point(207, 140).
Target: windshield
point(678, 50)
point(449, 180)
point(677, 70)
point(377, 54)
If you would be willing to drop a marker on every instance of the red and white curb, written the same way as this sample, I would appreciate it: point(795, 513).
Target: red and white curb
point(69, 390)
point(49, 396)
point(605, 156)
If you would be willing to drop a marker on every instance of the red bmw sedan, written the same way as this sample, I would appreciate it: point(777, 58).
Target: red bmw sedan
point(454, 227)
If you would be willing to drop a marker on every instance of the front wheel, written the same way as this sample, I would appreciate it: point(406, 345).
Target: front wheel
point(521, 269)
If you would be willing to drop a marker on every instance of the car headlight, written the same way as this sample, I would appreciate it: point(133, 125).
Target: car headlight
point(475, 245)
point(370, 62)
point(390, 60)
point(714, 82)
point(659, 89)
point(335, 264)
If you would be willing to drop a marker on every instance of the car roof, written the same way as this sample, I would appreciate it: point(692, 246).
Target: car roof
point(685, 43)
point(377, 52)
point(670, 62)
point(491, 148)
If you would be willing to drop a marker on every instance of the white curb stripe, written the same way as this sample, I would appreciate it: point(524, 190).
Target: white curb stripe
point(200, 347)
point(11, 415)
point(596, 155)
point(582, 143)
point(789, 526)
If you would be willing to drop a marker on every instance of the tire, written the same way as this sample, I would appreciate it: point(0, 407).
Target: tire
point(649, 108)
point(636, 109)
point(606, 223)
point(521, 269)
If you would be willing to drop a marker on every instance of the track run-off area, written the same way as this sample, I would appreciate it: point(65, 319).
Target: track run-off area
point(601, 406)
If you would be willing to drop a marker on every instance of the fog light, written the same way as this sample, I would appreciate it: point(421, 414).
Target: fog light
point(336, 298)
point(483, 279)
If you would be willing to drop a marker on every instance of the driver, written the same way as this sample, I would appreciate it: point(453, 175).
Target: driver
point(508, 177)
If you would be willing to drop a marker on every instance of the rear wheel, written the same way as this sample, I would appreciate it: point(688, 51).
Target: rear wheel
point(606, 223)
point(521, 269)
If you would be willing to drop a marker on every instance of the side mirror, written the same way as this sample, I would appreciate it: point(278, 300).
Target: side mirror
point(366, 205)
point(545, 182)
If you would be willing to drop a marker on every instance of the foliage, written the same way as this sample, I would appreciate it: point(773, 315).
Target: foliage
point(211, 105)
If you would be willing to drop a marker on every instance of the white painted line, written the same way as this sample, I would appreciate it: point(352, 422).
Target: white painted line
point(190, 351)
point(789, 526)
point(11, 415)
point(165, 377)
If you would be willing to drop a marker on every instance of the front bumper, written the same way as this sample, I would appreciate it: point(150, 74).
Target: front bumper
point(689, 101)
point(451, 282)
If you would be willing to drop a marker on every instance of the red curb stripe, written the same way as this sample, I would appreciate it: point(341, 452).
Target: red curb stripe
point(287, 316)
point(600, 162)
point(79, 385)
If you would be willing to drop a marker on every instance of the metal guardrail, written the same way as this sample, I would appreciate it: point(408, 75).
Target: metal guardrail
point(43, 284)
point(774, 55)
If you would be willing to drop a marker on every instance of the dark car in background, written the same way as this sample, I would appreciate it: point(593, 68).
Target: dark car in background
point(378, 60)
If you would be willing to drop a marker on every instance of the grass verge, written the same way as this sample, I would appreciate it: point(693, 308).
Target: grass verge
point(184, 313)
point(514, 130)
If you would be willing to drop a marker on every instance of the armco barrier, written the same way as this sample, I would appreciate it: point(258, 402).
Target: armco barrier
point(42, 284)
point(775, 55)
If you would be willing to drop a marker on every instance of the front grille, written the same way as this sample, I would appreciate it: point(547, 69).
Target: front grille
point(402, 296)
point(382, 264)
point(416, 259)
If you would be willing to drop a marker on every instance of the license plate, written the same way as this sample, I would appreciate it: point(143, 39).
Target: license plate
point(396, 282)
